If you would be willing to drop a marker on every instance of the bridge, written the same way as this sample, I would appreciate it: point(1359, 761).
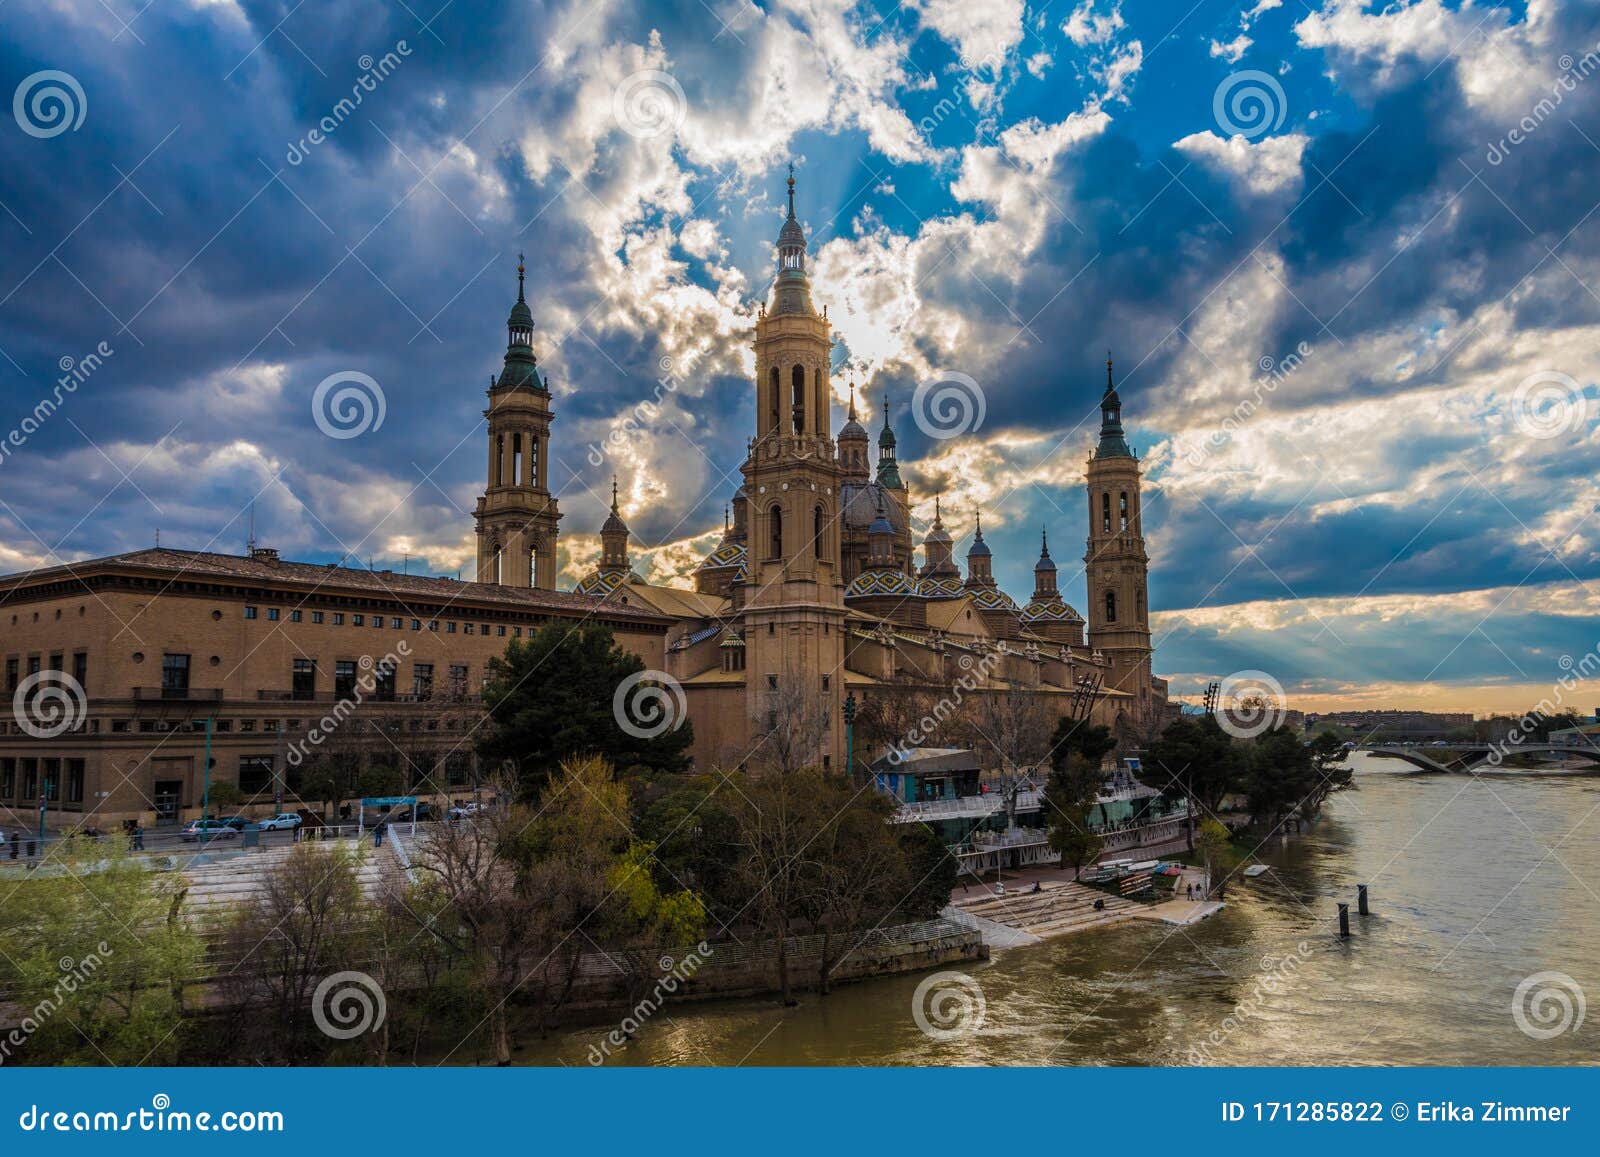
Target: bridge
point(1460, 758)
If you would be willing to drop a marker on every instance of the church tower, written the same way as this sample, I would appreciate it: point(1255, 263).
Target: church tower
point(516, 515)
point(1115, 561)
point(794, 591)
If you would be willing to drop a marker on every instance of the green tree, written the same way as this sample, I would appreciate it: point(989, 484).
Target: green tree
point(931, 869)
point(1093, 741)
point(1281, 776)
point(1069, 799)
point(1215, 849)
point(1331, 773)
point(1195, 758)
point(550, 698)
point(98, 955)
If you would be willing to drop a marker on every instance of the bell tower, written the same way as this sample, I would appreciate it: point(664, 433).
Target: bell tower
point(1115, 563)
point(794, 591)
point(516, 516)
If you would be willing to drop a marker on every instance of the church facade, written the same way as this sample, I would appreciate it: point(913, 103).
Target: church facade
point(816, 593)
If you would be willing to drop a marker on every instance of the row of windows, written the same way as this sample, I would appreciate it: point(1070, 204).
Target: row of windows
point(1123, 511)
point(337, 619)
point(80, 667)
point(51, 777)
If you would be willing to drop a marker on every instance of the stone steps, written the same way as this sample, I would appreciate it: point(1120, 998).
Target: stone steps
point(1061, 908)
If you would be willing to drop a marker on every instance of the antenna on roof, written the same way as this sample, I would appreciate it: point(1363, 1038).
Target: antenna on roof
point(405, 566)
point(158, 538)
point(250, 543)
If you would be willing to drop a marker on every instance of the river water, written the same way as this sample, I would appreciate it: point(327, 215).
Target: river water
point(1476, 883)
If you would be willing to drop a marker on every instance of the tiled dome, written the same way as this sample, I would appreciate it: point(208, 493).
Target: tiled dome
point(882, 582)
point(1050, 611)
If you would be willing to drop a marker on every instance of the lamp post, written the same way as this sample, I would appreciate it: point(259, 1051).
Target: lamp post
point(44, 794)
point(205, 796)
point(850, 735)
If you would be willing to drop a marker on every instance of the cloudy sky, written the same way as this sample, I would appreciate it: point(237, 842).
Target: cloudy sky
point(1344, 254)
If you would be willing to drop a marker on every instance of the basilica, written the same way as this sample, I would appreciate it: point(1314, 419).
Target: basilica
point(815, 592)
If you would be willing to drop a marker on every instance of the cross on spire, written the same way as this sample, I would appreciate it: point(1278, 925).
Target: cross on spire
point(522, 268)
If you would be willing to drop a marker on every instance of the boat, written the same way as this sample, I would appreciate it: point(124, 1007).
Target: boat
point(1255, 870)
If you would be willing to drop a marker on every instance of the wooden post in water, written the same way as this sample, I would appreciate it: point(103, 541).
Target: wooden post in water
point(1344, 921)
point(1361, 900)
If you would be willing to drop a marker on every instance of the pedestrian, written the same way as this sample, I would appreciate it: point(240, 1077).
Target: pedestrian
point(377, 835)
point(138, 837)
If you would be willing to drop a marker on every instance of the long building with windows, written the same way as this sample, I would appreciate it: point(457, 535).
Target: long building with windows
point(166, 664)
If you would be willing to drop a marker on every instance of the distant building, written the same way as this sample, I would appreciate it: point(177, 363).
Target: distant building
point(1395, 725)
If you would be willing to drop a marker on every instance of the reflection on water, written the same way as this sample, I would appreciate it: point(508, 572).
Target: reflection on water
point(1476, 884)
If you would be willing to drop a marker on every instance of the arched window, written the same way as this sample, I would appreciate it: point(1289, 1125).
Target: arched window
point(773, 398)
point(775, 530)
point(499, 459)
point(816, 532)
point(798, 399)
point(1122, 508)
point(533, 566)
point(498, 555)
point(1105, 512)
point(1111, 606)
point(1138, 605)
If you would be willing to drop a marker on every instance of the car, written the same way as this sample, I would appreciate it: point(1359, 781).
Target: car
point(237, 823)
point(209, 829)
point(283, 821)
point(465, 810)
point(425, 811)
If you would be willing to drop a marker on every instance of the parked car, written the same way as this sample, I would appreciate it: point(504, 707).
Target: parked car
point(283, 821)
point(425, 811)
point(465, 810)
point(210, 829)
point(237, 823)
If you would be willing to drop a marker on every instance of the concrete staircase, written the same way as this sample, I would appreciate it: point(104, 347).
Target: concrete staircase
point(1058, 909)
point(220, 880)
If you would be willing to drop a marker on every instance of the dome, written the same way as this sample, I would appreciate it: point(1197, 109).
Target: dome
point(1045, 563)
point(727, 556)
point(521, 316)
point(940, 588)
point(992, 599)
point(880, 525)
point(1050, 611)
point(791, 234)
point(980, 549)
point(860, 504)
point(853, 429)
point(882, 582)
point(599, 585)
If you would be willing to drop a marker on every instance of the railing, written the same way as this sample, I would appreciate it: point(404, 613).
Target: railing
point(367, 696)
point(178, 694)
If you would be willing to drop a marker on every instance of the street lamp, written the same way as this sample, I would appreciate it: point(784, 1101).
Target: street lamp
point(850, 735)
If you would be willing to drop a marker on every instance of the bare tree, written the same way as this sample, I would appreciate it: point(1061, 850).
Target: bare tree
point(793, 721)
point(1012, 726)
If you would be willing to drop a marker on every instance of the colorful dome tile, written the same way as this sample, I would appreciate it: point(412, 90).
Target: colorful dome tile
point(1049, 611)
point(600, 584)
point(882, 582)
point(729, 554)
point(940, 588)
point(992, 599)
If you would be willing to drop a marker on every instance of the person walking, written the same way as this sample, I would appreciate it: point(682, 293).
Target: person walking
point(138, 837)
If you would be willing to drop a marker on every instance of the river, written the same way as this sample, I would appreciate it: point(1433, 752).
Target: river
point(1476, 883)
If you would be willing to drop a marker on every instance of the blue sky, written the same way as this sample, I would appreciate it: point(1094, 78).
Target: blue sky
point(1355, 320)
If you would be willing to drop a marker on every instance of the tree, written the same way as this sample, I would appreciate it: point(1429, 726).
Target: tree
point(225, 796)
point(1281, 776)
point(931, 869)
point(1215, 849)
point(1195, 759)
point(1069, 798)
point(771, 818)
point(855, 869)
point(793, 719)
point(1329, 765)
point(98, 956)
point(282, 942)
point(551, 698)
